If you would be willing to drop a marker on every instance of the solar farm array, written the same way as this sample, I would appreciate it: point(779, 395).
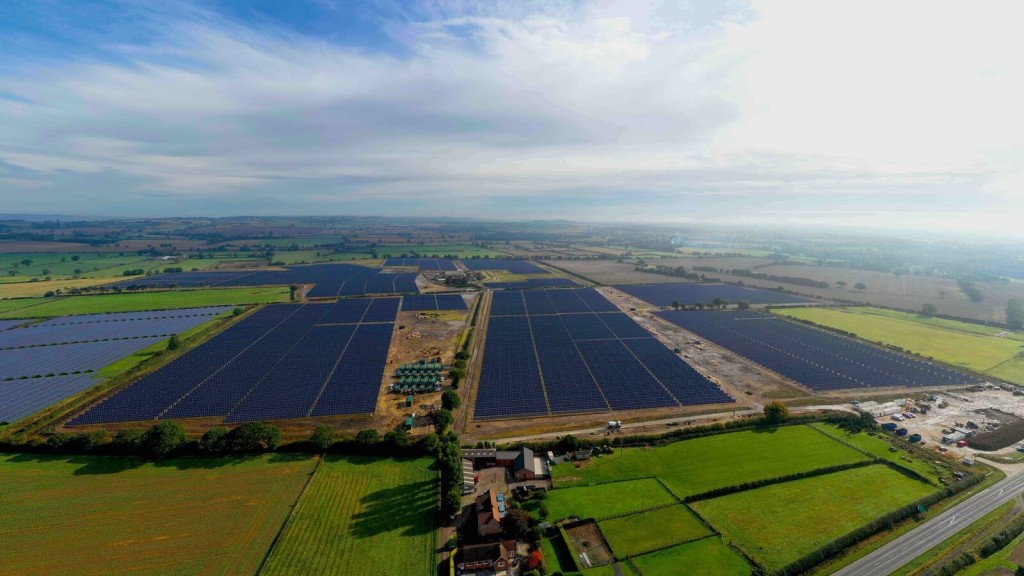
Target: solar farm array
point(423, 263)
point(427, 302)
point(8, 324)
point(45, 368)
point(552, 352)
point(532, 283)
point(513, 266)
point(815, 358)
point(96, 327)
point(330, 280)
point(689, 294)
point(284, 361)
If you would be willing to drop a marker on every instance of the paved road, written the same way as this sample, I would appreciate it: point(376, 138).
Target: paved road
point(895, 554)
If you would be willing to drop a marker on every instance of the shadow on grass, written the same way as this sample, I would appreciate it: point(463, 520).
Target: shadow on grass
point(92, 465)
point(563, 556)
point(408, 508)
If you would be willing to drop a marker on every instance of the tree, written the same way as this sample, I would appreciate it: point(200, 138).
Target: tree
point(1015, 314)
point(127, 440)
point(322, 437)
point(456, 375)
point(860, 286)
point(676, 304)
point(162, 438)
point(397, 438)
point(213, 440)
point(536, 561)
point(776, 412)
point(76, 258)
point(291, 292)
point(452, 502)
point(743, 305)
point(929, 309)
point(236, 312)
point(252, 437)
point(368, 437)
point(430, 443)
point(173, 344)
point(517, 523)
point(442, 419)
point(450, 400)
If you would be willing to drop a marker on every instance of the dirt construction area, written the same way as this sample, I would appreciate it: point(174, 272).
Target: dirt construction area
point(588, 544)
point(989, 410)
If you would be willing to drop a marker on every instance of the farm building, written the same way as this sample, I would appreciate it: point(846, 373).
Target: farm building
point(481, 457)
point(493, 557)
point(523, 463)
point(490, 509)
point(879, 410)
point(468, 477)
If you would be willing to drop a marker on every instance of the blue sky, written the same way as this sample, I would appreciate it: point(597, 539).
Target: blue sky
point(856, 113)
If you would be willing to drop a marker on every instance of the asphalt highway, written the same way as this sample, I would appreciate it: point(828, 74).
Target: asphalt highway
point(931, 533)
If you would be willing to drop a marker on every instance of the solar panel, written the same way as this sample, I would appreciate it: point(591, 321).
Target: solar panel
point(690, 294)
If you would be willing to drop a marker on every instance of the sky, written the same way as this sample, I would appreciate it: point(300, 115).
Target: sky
point(858, 113)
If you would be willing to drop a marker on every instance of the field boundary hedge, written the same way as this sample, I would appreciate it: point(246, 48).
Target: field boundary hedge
point(894, 465)
point(754, 484)
point(603, 482)
point(635, 512)
point(565, 538)
point(886, 521)
point(673, 545)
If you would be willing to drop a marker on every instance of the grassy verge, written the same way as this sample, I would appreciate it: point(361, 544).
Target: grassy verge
point(935, 556)
point(139, 301)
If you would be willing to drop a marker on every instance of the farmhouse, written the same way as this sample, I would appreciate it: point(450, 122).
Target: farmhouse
point(495, 557)
point(523, 463)
point(490, 509)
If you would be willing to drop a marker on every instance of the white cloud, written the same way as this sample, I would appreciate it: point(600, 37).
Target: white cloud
point(670, 109)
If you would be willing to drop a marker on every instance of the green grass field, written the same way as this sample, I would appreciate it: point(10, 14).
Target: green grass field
point(606, 500)
point(362, 516)
point(878, 445)
point(640, 533)
point(1012, 370)
point(96, 515)
point(778, 524)
point(695, 466)
point(161, 300)
point(708, 556)
point(959, 343)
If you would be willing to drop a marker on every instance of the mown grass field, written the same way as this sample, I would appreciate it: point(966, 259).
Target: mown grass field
point(606, 500)
point(96, 515)
point(37, 289)
point(707, 556)
point(878, 446)
point(640, 533)
point(159, 300)
point(959, 343)
point(362, 516)
point(778, 524)
point(695, 466)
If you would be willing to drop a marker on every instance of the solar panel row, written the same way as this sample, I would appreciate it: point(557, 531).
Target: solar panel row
point(329, 279)
point(690, 294)
point(427, 302)
point(423, 263)
point(585, 360)
point(132, 316)
point(533, 283)
point(67, 358)
point(815, 358)
point(20, 398)
point(285, 361)
point(58, 331)
point(513, 266)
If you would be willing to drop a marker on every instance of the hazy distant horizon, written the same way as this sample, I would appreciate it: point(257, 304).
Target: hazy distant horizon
point(855, 116)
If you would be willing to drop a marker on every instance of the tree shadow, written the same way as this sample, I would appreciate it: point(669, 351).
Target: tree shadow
point(88, 465)
point(765, 429)
point(409, 508)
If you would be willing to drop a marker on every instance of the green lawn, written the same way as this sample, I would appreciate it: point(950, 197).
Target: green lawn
point(1012, 370)
point(695, 466)
point(959, 343)
point(97, 515)
point(778, 524)
point(557, 554)
point(157, 300)
point(707, 557)
point(878, 445)
point(362, 516)
point(606, 500)
point(640, 533)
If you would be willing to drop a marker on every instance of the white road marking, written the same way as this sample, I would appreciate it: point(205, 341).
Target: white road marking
point(953, 520)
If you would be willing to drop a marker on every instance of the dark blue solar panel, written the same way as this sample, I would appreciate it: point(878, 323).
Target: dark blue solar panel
point(624, 381)
point(382, 310)
point(595, 301)
point(510, 382)
point(693, 293)
point(507, 303)
point(355, 384)
point(451, 302)
point(538, 303)
point(62, 330)
point(688, 386)
point(346, 311)
point(421, 303)
point(67, 358)
point(513, 266)
point(567, 301)
point(8, 324)
point(422, 263)
point(586, 327)
point(817, 359)
point(534, 283)
point(568, 382)
point(293, 385)
point(623, 326)
point(20, 398)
